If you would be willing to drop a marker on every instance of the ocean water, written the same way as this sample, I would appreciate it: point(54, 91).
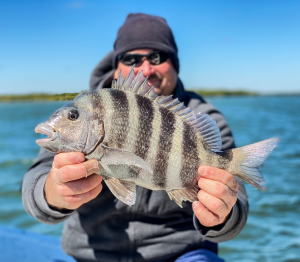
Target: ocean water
point(272, 232)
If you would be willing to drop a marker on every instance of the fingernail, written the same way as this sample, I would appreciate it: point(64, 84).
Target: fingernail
point(96, 165)
point(195, 204)
point(80, 158)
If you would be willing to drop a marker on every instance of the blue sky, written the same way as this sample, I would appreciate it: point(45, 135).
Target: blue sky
point(52, 46)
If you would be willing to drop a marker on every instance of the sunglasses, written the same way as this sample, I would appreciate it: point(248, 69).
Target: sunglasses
point(154, 58)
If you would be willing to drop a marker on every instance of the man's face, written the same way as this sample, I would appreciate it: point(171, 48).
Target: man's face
point(163, 77)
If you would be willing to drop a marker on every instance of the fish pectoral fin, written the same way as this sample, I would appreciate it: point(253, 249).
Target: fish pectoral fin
point(116, 156)
point(185, 194)
point(123, 190)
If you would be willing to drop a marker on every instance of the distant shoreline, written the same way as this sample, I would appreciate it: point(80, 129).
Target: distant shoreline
point(38, 97)
point(71, 96)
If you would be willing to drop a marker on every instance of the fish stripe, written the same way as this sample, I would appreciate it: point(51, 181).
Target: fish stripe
point(120, 121)
point(146, 116)
point(224, 159)
point(174, 165)
point(133, 125)
point(206, 157)
point(165, 144)
point(97, 105)
point(190, 159)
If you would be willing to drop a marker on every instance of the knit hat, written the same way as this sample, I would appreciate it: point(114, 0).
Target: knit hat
point(145, 31)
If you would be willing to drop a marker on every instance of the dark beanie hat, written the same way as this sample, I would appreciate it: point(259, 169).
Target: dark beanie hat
point(145, 31)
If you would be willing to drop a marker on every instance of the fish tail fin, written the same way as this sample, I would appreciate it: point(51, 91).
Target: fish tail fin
point(246, 160)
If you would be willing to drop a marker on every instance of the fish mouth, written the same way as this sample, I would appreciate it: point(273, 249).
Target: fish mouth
point(47, 130)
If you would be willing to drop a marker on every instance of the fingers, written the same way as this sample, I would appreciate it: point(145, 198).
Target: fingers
point(218, 190)
point(64, 159)
point(214, 204)
point(75, 201)
point(72, 195)
point(220, 175)
point(217, 196)
point(77, 171)
point(72, 182)
point(79, 186)
point(205, 217)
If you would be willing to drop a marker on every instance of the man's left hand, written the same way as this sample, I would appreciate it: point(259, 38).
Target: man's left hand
point(217, 195)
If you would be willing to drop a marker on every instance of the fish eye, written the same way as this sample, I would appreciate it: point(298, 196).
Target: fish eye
point(73, 115)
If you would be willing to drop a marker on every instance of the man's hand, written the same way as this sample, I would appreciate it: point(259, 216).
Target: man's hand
point(71, 181)
point(217, 196)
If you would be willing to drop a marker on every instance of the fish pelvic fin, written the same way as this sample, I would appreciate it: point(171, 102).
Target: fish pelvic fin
point(185, 194)
point(245, 161)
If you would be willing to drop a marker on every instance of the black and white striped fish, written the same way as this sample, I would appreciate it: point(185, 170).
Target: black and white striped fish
point(143, 139)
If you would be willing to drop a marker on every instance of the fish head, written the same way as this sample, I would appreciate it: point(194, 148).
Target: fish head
point(72, 128)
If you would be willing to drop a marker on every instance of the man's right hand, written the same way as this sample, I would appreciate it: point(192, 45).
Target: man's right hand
point(71, 181)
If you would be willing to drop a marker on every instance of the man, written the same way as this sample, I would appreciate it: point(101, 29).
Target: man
point(101, 228)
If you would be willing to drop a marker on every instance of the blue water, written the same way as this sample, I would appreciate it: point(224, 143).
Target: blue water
point(272, 232)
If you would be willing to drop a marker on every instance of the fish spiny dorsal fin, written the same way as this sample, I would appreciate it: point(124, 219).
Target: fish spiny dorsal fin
point(128, 80)
point(136, 83)
point(114, 84)
point(163, 99)
point(151, 94)
point(177, 107)
point(144, 88)
point(171, 104)
point(120, 80)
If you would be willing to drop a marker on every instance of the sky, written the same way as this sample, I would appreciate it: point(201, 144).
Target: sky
point(52, 46)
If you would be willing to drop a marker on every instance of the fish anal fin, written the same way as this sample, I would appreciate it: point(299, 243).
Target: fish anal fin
point(185, 194)
point(123, 190)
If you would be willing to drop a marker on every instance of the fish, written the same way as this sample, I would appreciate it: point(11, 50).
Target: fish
point(140, 138)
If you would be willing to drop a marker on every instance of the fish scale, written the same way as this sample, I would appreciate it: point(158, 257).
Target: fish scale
point(143, 139)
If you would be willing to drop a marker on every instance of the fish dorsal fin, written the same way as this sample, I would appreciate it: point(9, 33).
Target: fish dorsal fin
point(209, 130)
point(128, 80)
point(137, 81)
point(114, 84)
point(203, 124)
point(136, 84)
point(120, 80)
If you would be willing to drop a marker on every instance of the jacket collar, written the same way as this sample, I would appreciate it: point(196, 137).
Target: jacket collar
point(179, 91)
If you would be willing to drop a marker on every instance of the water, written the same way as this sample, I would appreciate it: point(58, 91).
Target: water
point(272, 232)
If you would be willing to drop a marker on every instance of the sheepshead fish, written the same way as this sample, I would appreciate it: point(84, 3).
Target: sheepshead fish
point(143, 139)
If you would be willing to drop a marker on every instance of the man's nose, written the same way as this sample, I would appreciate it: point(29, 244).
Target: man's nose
point(147, 68)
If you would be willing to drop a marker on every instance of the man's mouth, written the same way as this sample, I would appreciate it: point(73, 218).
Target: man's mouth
point(154, 82)
point(46, 130)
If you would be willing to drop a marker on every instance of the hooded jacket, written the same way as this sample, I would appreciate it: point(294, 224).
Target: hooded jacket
point(155, 228)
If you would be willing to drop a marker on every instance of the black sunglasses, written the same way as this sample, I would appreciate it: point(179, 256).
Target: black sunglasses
point(154, 58)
